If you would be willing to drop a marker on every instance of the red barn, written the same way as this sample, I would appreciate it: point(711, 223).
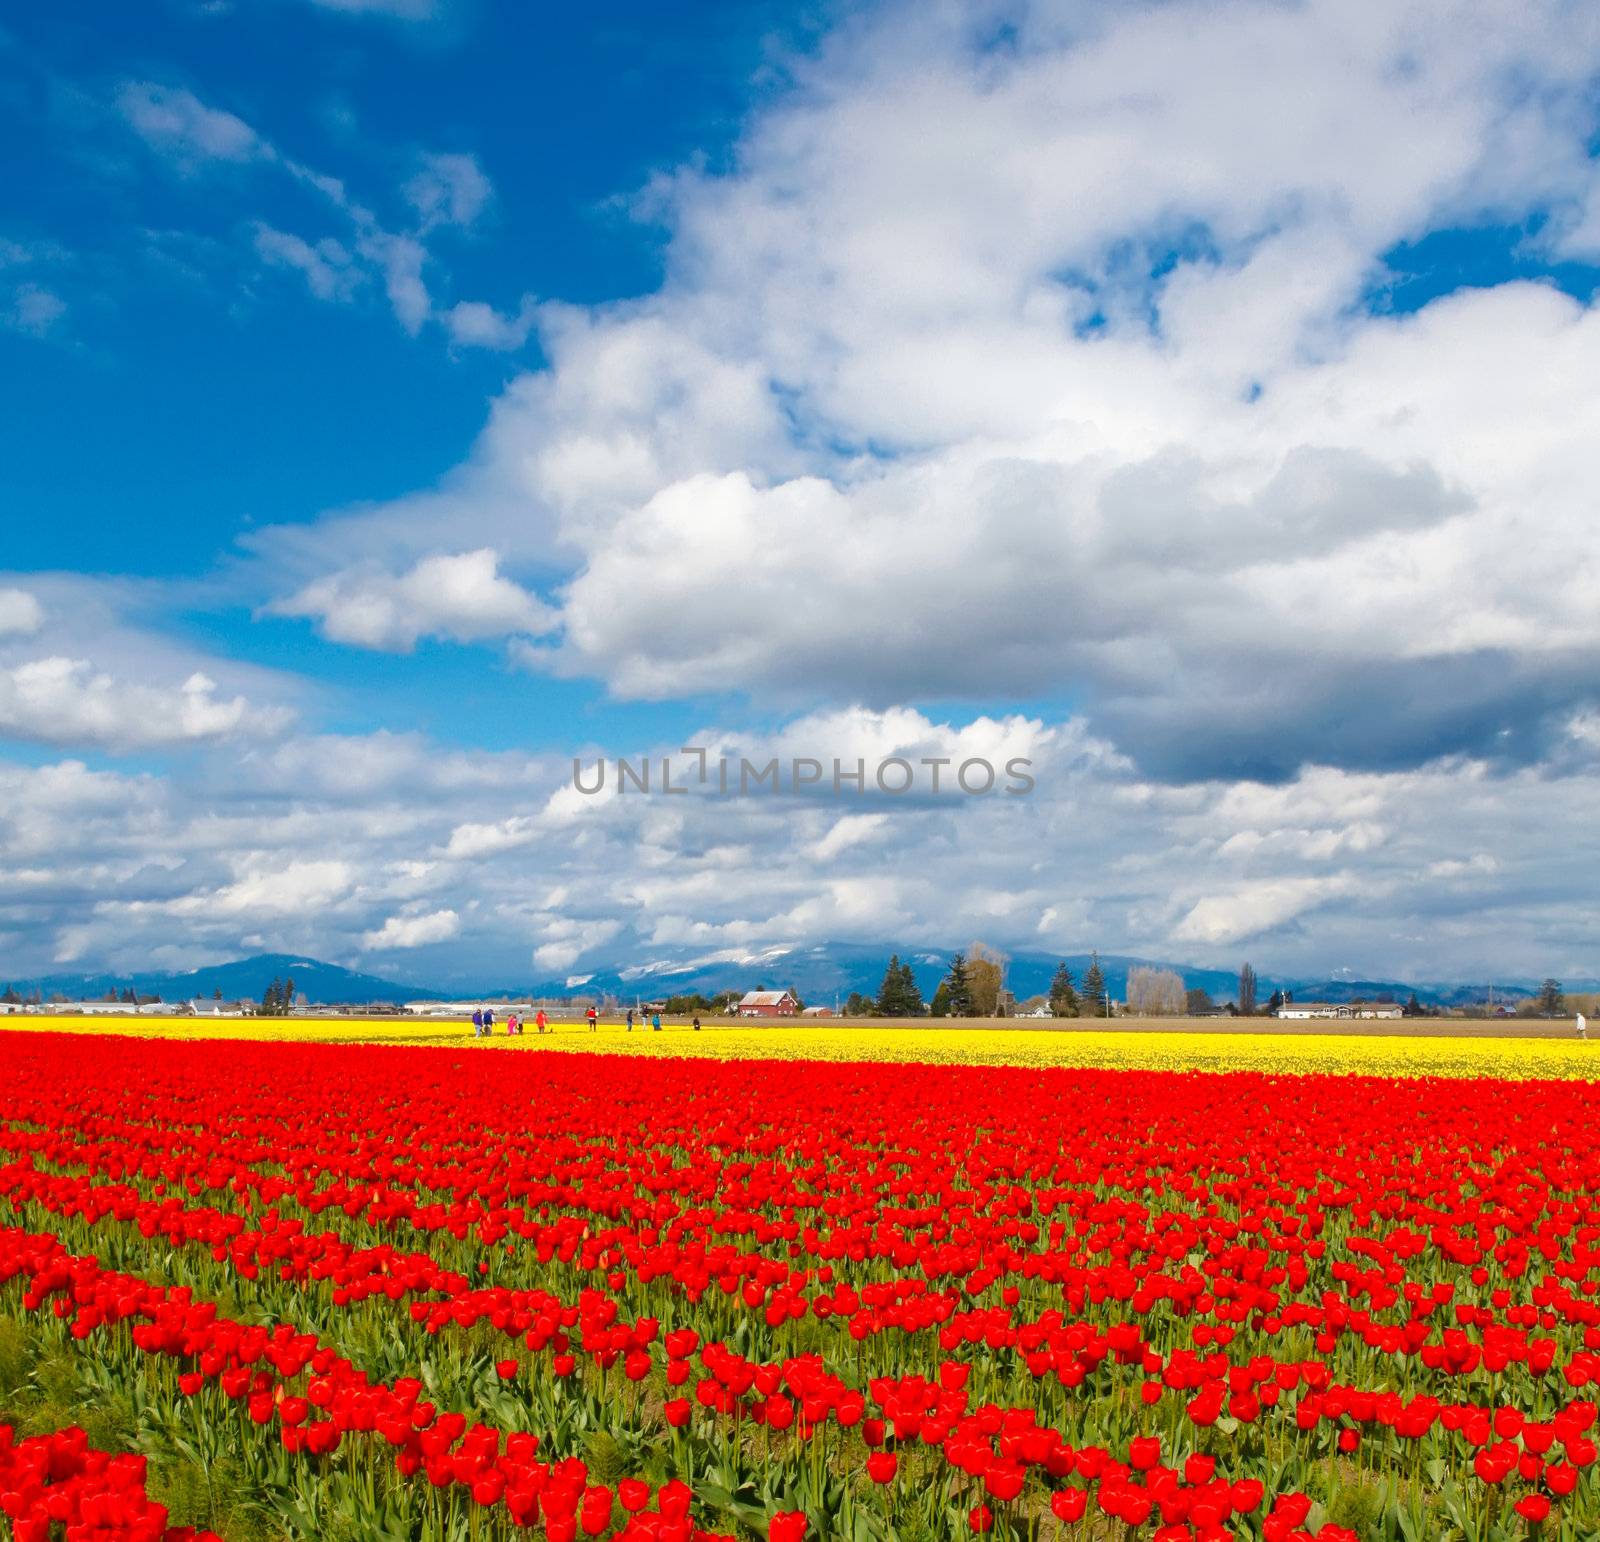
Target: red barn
point(768, 1004)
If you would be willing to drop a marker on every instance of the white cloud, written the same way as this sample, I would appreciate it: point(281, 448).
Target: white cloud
point(177, 123)
point(60, 700)
point(471, 841)
point(851, 830)
point(1473, 865)
point(413, 931)
point(1035, 372)
point(1260, 907)
point(1061, 339)
point(473, 324)
point(448, 190)
point(401, 259)
point(20, 613)
point(328, 267)
point(35, 309)
point(277, 891)
point(462, 597)
point(567, 940)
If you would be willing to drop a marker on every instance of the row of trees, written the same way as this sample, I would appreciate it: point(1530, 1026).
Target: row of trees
point(974, 986)
point(692, 1003)
point(12, 997)
point(278, 998)
point(1067, 999)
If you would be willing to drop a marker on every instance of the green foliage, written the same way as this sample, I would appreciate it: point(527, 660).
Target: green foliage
point(1064, 993)
point(1359, 1505)
point(957, 988)
point(898, 996)
point(1094, 987)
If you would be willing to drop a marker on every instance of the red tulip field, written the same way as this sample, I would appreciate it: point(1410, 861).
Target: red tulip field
point(260, 1290)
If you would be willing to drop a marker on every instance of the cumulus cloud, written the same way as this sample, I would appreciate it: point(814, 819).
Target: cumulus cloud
point(462, 597)
point(60, 700)
point(275, 856)
point(568, 939)
point(413, 931)
point(469, 841)
point(266, 892)
point(1252, 910)
point(1126, 425)
point(1064, 369)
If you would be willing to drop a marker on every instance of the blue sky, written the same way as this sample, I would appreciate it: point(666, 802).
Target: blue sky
point(399, 397)
point(212, 400)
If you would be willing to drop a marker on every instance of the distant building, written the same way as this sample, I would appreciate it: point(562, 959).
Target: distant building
point(202, 1006)
point(1341, 1009)
point(462, 1008)
point(101, 1009)
point(768, 1004)
point(817, 1012)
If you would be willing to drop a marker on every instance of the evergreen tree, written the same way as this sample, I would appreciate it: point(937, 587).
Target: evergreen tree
point(1274, 1001)
point(1064, 993)
point(940, 1006)
point(911, 1002)
point(858, 1005)
point(1094, 986)
point(958, 988)
point(1247, 991)
point(272, 1000)
point(1550, 999)
point(891, 1002)
point(1413, 1008)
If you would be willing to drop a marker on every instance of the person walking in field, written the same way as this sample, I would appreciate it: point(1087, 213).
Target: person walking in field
point(655, 1022)
point(477, 1022)
point(594, 1019)
point(630, 1019)
point(696, 1024)
point(540, 1020)
point(1583, 1028)
point(512, 1025)
point(488, 1022)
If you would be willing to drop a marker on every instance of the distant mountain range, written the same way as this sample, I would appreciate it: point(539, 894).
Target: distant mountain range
point(242, 980)
point(821, 974)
